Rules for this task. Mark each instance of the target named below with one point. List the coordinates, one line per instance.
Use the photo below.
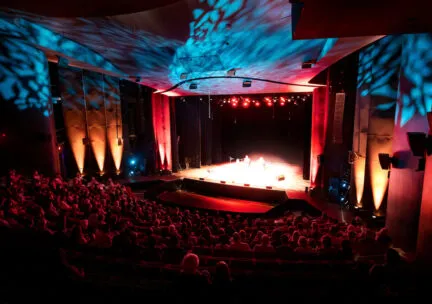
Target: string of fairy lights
(255, 101)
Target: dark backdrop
(277, 132)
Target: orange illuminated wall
(162, 131)
(360, 138)
(318, 131)
(74, 112)
(93, 89)
(113, 119)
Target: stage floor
(255, 174)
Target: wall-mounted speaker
(417, 143)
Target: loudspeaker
(417, 143)
(386, 161)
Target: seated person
(265, 245)
(237, 244)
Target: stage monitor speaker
(417, 143)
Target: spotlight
(224, 101)
(234, 104)
(245, 104)
(267, 99)
(193, 86)
(132, 162)
(247, 83)
(257, 104)
(269, 103)
(231, 72)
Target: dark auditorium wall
(27, 131)
(138, 125)
(188, 128)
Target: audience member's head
(190, 263)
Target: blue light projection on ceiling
(253, 37)
(45, 38)
(24, 77)
(403, 60)
(416, 95)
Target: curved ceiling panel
(206, 38)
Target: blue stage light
(132, 162)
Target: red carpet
(192, 200)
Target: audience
(108, 216)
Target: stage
(251, 173)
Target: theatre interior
(215, 149)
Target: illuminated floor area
(258, 174)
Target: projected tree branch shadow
(416, 78)
(24, 78)
(41, 36)
(380, 73)
(251, 35)
(238, 34)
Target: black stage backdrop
(276, 133)
(209, 136)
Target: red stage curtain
(162, 130)
(319, 132)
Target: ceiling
(347, 18)
(192, 39)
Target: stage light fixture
(247, 83)
(193, 86)
(245, 105)
(269, 103)
(257, 104)
(231, 72)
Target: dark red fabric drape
(162, 131)
(319, 131)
